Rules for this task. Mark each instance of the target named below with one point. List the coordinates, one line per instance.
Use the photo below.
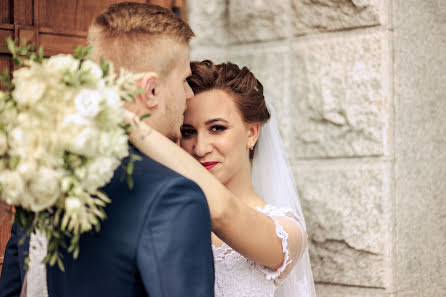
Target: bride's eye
(187, 132)
(217, 128)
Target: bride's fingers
(130, 117)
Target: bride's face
(215, 134)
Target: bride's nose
(202, 145)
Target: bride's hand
(139, 130)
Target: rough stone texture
(427, 292)
(339, 97)
(208, 21)
(420, 149)
(346, 211)
(329, 15)
(216, 55)
(258, 20)
(323, 290)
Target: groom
(156, 238)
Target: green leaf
(13, 162)
(40, 55)
(76, 253)
(146, 115)
(138, 91)
(16, 60)
(11, 45)
(81, 52)
(53, 259)
(105, 66)
(60, 264)
(130, 182)
(130, 168)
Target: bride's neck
(241, 186)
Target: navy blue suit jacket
(155, 242)
(13, 271)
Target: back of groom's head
(139, 37)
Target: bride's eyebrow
(216, 120)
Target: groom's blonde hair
(138, 36)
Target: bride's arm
(243, 228)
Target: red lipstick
(209, 165)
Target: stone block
(347, 216)
(258, 20)
(208, 21)
(433, 291)
(326, 290)
(420, 148)
(339, 97)
(330, 15)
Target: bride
(259, 240)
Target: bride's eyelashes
(187, 132)
(217, 128)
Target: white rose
(44, 187)
(87, 103)
(114, 143)
(18, 139)
(8, 116)
(3, 143)
(99, 172)
(113, 99)
(85, 143)
(61, 62)
(28, 92)
(93, 70)
(27, 169)
(113, 109)
(13, 187)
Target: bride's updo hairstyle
(240, 84)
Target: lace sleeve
(291, 231)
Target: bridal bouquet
(62, 136)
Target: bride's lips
(209, 165)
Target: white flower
(13, 187)
(93, 70)
(114, 143)
(99, 172)
(27, 169)
(18, 139)
(3, 143)
(44, 187)
(87, 103)
(85, 143)
(61, 63)
(28, 92)
(8, 116)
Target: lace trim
(221, 251)
(272, 211)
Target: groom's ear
(149, 83)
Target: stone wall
(359, 89)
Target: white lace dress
(237, 276)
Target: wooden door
(58, 26)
